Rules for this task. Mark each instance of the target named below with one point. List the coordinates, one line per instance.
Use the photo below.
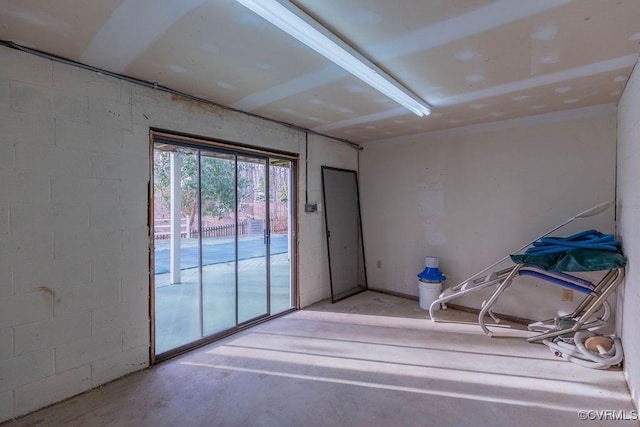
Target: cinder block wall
(628, 225)
(74, 171)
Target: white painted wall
(74, 170)
(471, 198)
(628, 226)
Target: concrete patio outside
(177, 306)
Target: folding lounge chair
(592, 313)
(587, 251)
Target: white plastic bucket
(429, 292)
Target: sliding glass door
(217, 239)
(222, 242)
(280, 236)
(177, 251)
(253, 244)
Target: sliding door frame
(200, 143)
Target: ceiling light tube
(290, 19)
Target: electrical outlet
(379, 264)
(567, 295)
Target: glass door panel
(280, 244)
(222, 242)
(217, 231)
(252, 238)
(176, 248)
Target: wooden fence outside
(162, 228)
(278, 225)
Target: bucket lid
(431, 274)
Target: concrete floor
(371, 360)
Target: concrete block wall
(628, 226)
(64, 251)
(471, 196)
(74, 173)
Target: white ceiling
(474, 61)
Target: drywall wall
(471, 198)
(74, 172)
(628, 226)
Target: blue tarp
(588, 250)
(220, 252)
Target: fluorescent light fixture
(290, 19)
